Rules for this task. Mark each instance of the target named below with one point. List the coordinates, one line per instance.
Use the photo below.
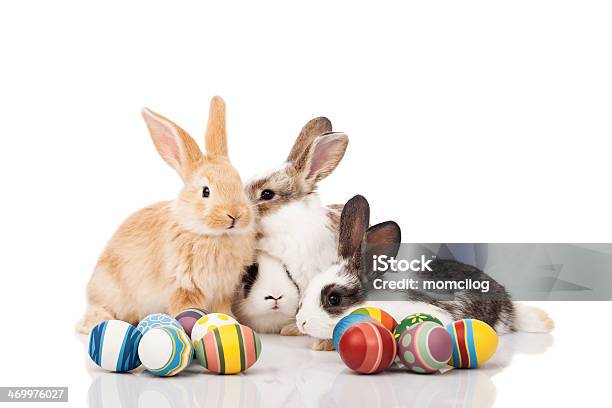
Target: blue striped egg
(165, 350)
(346, 322)
(113, 345)
(157, 320)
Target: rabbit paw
(93, 315)
(323, 345)
(290, 330)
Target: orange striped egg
(228, 349)
(367, 348)
(474, 342)
(379, 315)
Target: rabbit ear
(216, 136)
(315, 127)
(322, 157)
(174, 145)
(382, 239)
(354, 223)
(386, 233)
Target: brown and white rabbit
(295, 231)
(344, 286)
(293, 225)
(189, 252)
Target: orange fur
(189, 252)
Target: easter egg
(157, 320)
(187, 318)
(367, 348)
(113, 345)
(379, 315)
(165, 350)
(229, 349)
(474, 342)
(208, 323)
(425, 348)
(346, 322)
(413, 320)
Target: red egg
(367, 348)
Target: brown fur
(323, 345)
(334, 212)
(314, 128)
(189, 252)
(286, 185)
(314, 155)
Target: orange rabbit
(190, 252)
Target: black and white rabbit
(268, 297)
(295, 230)
(344, 286)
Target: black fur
(492, 307)
(249, 278)
(349, 296)
(293, 281)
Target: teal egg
(346, 322)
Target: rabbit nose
(275, 298)
(233, 220)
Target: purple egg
(187, 318)
(425, 348)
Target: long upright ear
(322, 157)
(315, 127)
(216, 136)
(174, 145)
(354, 222)
(381, 239)
(384, 238)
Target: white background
(471, 121)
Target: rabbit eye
(205, 192)
(267, 195)
(333, 299)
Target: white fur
(311, 319)
(300, 234)
(532, 319)
(260, 313)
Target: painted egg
(187, 318)
(367, 348)
(379, 315)
(228, 349)
(425, 348)
(113, 345)
(165, 350)
(347, 321)
(157, 320)
(413, 320)
(208, 323)
(474, 342)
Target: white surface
(566, 368)
(470, 121)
